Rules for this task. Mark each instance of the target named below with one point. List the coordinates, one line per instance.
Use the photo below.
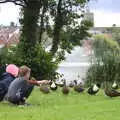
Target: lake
(75, 64)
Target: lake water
(76, 64)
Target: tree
(115, 32)
(42, 19)
(16, 2)
(67, 15)
(66, 31)
(12, 24)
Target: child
(6, 78)
(21, 87)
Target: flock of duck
(79, 87)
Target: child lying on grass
(21, 88)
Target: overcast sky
(8, 12)
(106, 12)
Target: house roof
(9, 36)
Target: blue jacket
(2, 69)
(6, 79)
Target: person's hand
(43, 82)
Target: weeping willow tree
(105, 63)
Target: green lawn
(56, 106)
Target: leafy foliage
(105, 62)
(115, 33)
(66, 31)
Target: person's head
(12, 69)
(24, 71)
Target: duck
(71, 84)
(53, 86)
(44, 89)
(114, 86)
(79, 88)
(93, 89)
(75, 82)
(112, 93)
(65, 89)
(61, 83)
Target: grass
(56, 106)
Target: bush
(3, 55)
(41, 64)
(105, 65)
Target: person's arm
(35, 82)
(43, 82)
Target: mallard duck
(114, 86)
(75, 82)
(65, 88)
(78, 87)
(44, 89)
(112, 93)
(93, 89)
(61, 83)
(71, 84)
(53, 86)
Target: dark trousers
(3, 91)
(28, 90)
(26, 93)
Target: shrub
(105, 65)
(42, 64)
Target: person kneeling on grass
(6, 78)
(21, 87)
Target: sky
(106, 13)
(9, 12)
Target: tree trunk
(57, 29)
(45, 3)
(29, 28)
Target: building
(89, 16)
(9, 36)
